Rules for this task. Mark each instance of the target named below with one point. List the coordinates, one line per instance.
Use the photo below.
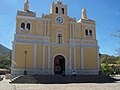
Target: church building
(54, 43)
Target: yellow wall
(20, 55)
(39, 56)
(90, 58)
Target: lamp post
(25, 71)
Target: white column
(70, 29)
(13, 54)
(98, 58)
(48, 57)
(48, 27)
(82, 58)
(35, 57)
(70, 67)
(66, 67)
(45, 28)
(74, 57)
(43, 57)
(53, 65)
(73, 30)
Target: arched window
(23, 26)
(56, 9)
(62, 10)
(86, 32)
(90, 32)
(59, 38)
(28, 26)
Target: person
(74, 74)
(1, 77)
(63, 73)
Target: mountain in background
(4, 50)
(5, 57)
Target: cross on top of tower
(26, 5)
(27, 1)
(59, 2)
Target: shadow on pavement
(59, 79)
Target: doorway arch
(59, 64)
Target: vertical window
(62, 10)
(86, 32)
(72, 30)
(90, 32)
(28, 26)
(23, 26)
(56, 9)
(46, 28)
(59, 38)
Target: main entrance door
(59, 64)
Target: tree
(118, 51)
(108, 64)
(5, 61)
(117, 35)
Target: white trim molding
(20, 71)
(26, 17)
(82, 58)
(46, 39)
(70, 58)
(35, 57)
(13, 54)
(98, 58)
(70, 29)
(46, 31)
(43, 57)
(49, 57)
(74, 58)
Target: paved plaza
(5, 85)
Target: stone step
(55, 79)
(24, 79)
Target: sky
(106, 13)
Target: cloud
(117, 13)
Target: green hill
(5, 57)
(4, 50)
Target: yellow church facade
(54, 43)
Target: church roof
(26, 13)
(87, 21)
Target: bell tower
(84, 13)
(58, 8)
(26, 5)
